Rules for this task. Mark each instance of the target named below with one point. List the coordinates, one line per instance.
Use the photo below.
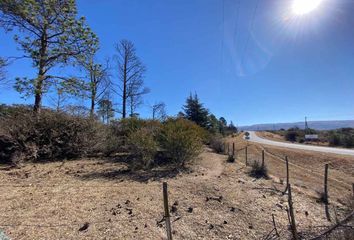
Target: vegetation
(217, 144)
(259, 170)
(131, 77)
(181, 140)
(231, 158)
(343, 137)
(51, 35)
(2, 69)
(195, 111)
(56, 135)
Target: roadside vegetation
(144, 143)
(343, 137)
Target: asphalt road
(256, 139)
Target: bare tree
(2, 68)
(131, 77)
(159, 111)
(99, 81)
(135, 93)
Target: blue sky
(248, 63)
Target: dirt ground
(100, 199)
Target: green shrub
(348, 141)
(291, 136)
(118, 132)
(334, 139)
(143, 147)
(181, 140)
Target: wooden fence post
(262, 158)
(167, 212)
(353, 188)
(275, 226)
(233, 149)
(228, 148)
(287, 174)
(292, 216)
(326, 201)
(246, 156)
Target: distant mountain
(318, 125)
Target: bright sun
(301, 7)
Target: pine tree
(51, 35)
(195, 111)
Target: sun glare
(301, 7)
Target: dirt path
(212, 162)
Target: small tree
(106, 111)
(213, 124)
(52, 35)
(195, 111)
(222, 125)
(64, 89)
(2, 69)
(131, 77)
(158, 111)
(97, 76)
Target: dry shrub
(259, 170)
(231, 159)
(217, 144)
(50, 136)
(181, 140)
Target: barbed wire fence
(339, 229)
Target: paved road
(256, 139)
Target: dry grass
(54, 200)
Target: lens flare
(301, 7)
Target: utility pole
(306, 125)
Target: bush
(143, 147)
(231, 159)
(334, 139)
(50, 136)
(118, 133)
(291, 136)
(217, 144)
(348, 141)
(181, 140)
(258, 170)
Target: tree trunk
(93, 92)
(38, 92)
(124, 112)
(41, 72)
(37, 103)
